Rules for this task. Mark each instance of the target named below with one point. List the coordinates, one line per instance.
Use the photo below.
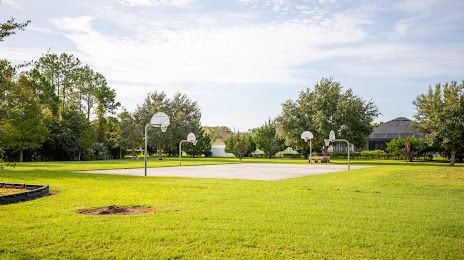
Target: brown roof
(221, 134)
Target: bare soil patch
(115, 210)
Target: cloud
(243, 54)
(80, 24)
(13, 3)
(175, 3)
(420, 9)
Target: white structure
(218, 144)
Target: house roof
(222, 134)
(400, 127)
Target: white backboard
(160, 119)
(332, 135)
(191, 137)
(307, 135)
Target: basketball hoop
(160, 120)
(191, 139)
(307, 135)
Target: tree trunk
(120, 153)
(270, 156)
(21, 154)
(80, 152)
(325, 151)
(453, 155)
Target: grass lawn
(395, 210)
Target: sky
(240, 60)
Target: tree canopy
(440, 116)
(323, 108)
(184, 115)
(266, 139)
(10, 26)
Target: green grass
(395, 210)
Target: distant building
(400, 127)
(218, 143)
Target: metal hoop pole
(310, 151)
(146, 130)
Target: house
(218, 142)
(400, 127)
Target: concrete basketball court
(247, 171)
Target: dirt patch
(115, 210)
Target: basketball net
(306, 139)
(327, 142)
(163, 128)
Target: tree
(250, 143)
(45, 93)
(8, 28)
(406, 148)
(236, 144)
(267, 140)
(105, 97)
(21, 125)
(61, 72)
(69, 138)
(4, 163)
(128, 137)
(440, 116)
(326, 108)
(184, 116)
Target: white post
(146, 130)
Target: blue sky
(240, 60)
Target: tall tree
(236, 144)
(105, 97)
(266, 139)
(61, 72)
(128, 137)
(45, 93)
(7, 74)
(22, 128)
(70, 138)
(325, 108)
(184, 116)
(440, 116)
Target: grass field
(395, 210)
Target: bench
(323, 159)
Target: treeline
(58, 109)
(320, 109)
(61, 109)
